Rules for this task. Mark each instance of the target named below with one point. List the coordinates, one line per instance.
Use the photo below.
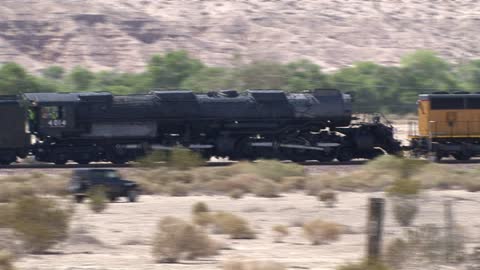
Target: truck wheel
(79, 198)
(132, 195)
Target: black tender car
(84, 180)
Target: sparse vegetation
(40, 223)
(236, 194)
(280, 232)
(404, 187)
(321, 232)
(404, 209)
(397, 253)
(328, 197)
(233, 225)
(98, 199)
(364, 265)
(176, 239)
(6, 260)
(252, 265)
(16, 186)
(266, 188)
(178, 189)
(199, 208)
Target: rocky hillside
(122, 34)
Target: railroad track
(208, 164)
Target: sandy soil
(120, 237)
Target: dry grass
(396, 253)
(40, 223)
(233, 225)
(178, 189)
(200, 207)
(252, 265)
(176, 239)
(322, 232)
(97, 199)
(6, 260)
(364, 265)
(328, 197)
(266, 188)
(404, 210)
(35, 183)
(280, 232)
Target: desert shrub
(40, 223)
(276, 170)
(177, 239)
(313, 186)
(404, 210)
(364, 265)
(280, 232)
(203, 219)
(13, 190)
(10, 243)
(236, 194)
(153, 159)
(200, 207)
(243, 182)
(183, 159)
(6, 260)
(178, 189)
(233, 225)
(404, 187)
(293, 183)
(266, 188)
(328, 197)
(321, 232)
(472, 186)
(178, 177)
(396, 253)
(5, 215)
(98, 199)
(252, 265)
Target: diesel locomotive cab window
(447, 103)
(54, 116)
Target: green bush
(404, 187)
(98, 199)
(276, 170)
(176, 239)
(40, 223)
(183, 159)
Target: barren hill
(122, 34)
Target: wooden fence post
(376, 215)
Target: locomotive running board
(295, 146)
(191, 146)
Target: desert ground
(120, 237)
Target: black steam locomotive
(89, 127)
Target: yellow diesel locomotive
(448, 125)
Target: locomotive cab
(51, 114)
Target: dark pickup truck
(83, 180)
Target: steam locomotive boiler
(86, 127)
